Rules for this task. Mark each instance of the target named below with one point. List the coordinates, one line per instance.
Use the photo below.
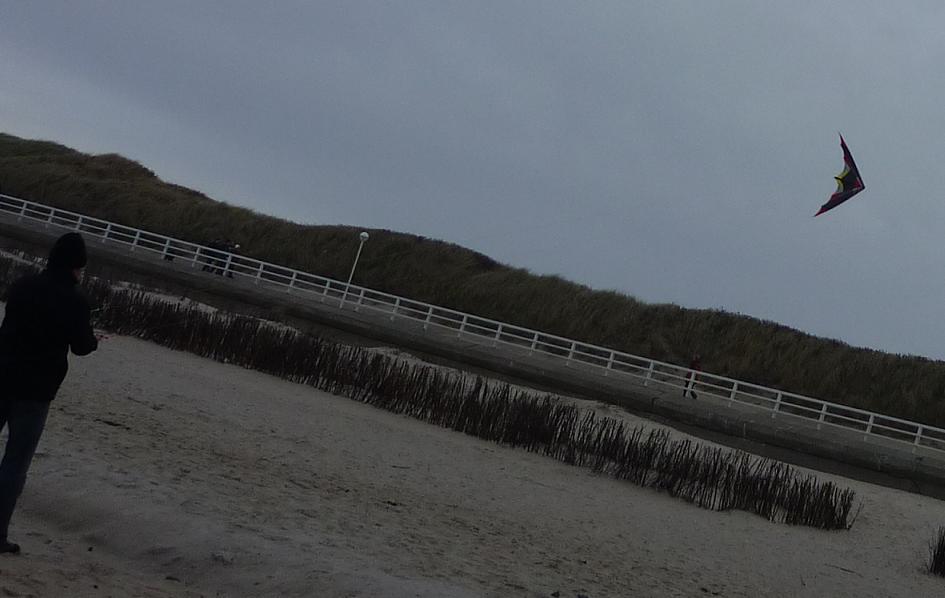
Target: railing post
(498, 333)
(360, 301)
(823, 414)
(462, 325)
(78, 223)
(134, 243)
(288, 287)
(649, 374)
(534, 343)
(731, 396)
(570, 354)
(259, 272)
(167, 247)
(396, 307)
(869, 427)
(22, 213)
(777, 405)
(426, 321)
(193, 262)
(918, 438)
(610, 364)
(108, 229)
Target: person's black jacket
(45, 317)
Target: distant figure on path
(230, 246)
(218, 262)
(696, 366)
(215, 257)
(46, 316)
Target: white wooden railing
(603, 361)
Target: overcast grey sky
(675, 151)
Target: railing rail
(490, 332)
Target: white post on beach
(364, 237)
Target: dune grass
(937, 554)
(114, 188)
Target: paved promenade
(781, 436)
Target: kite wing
(849, 182)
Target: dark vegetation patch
(117, 189)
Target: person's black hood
(67, 254)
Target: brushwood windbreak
(710, 477)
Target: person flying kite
(849, 182)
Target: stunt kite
(849, 182)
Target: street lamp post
(364, 237)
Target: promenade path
(778, 435)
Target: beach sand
(164, 474)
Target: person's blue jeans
(24, 421)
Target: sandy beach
(164, 474)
